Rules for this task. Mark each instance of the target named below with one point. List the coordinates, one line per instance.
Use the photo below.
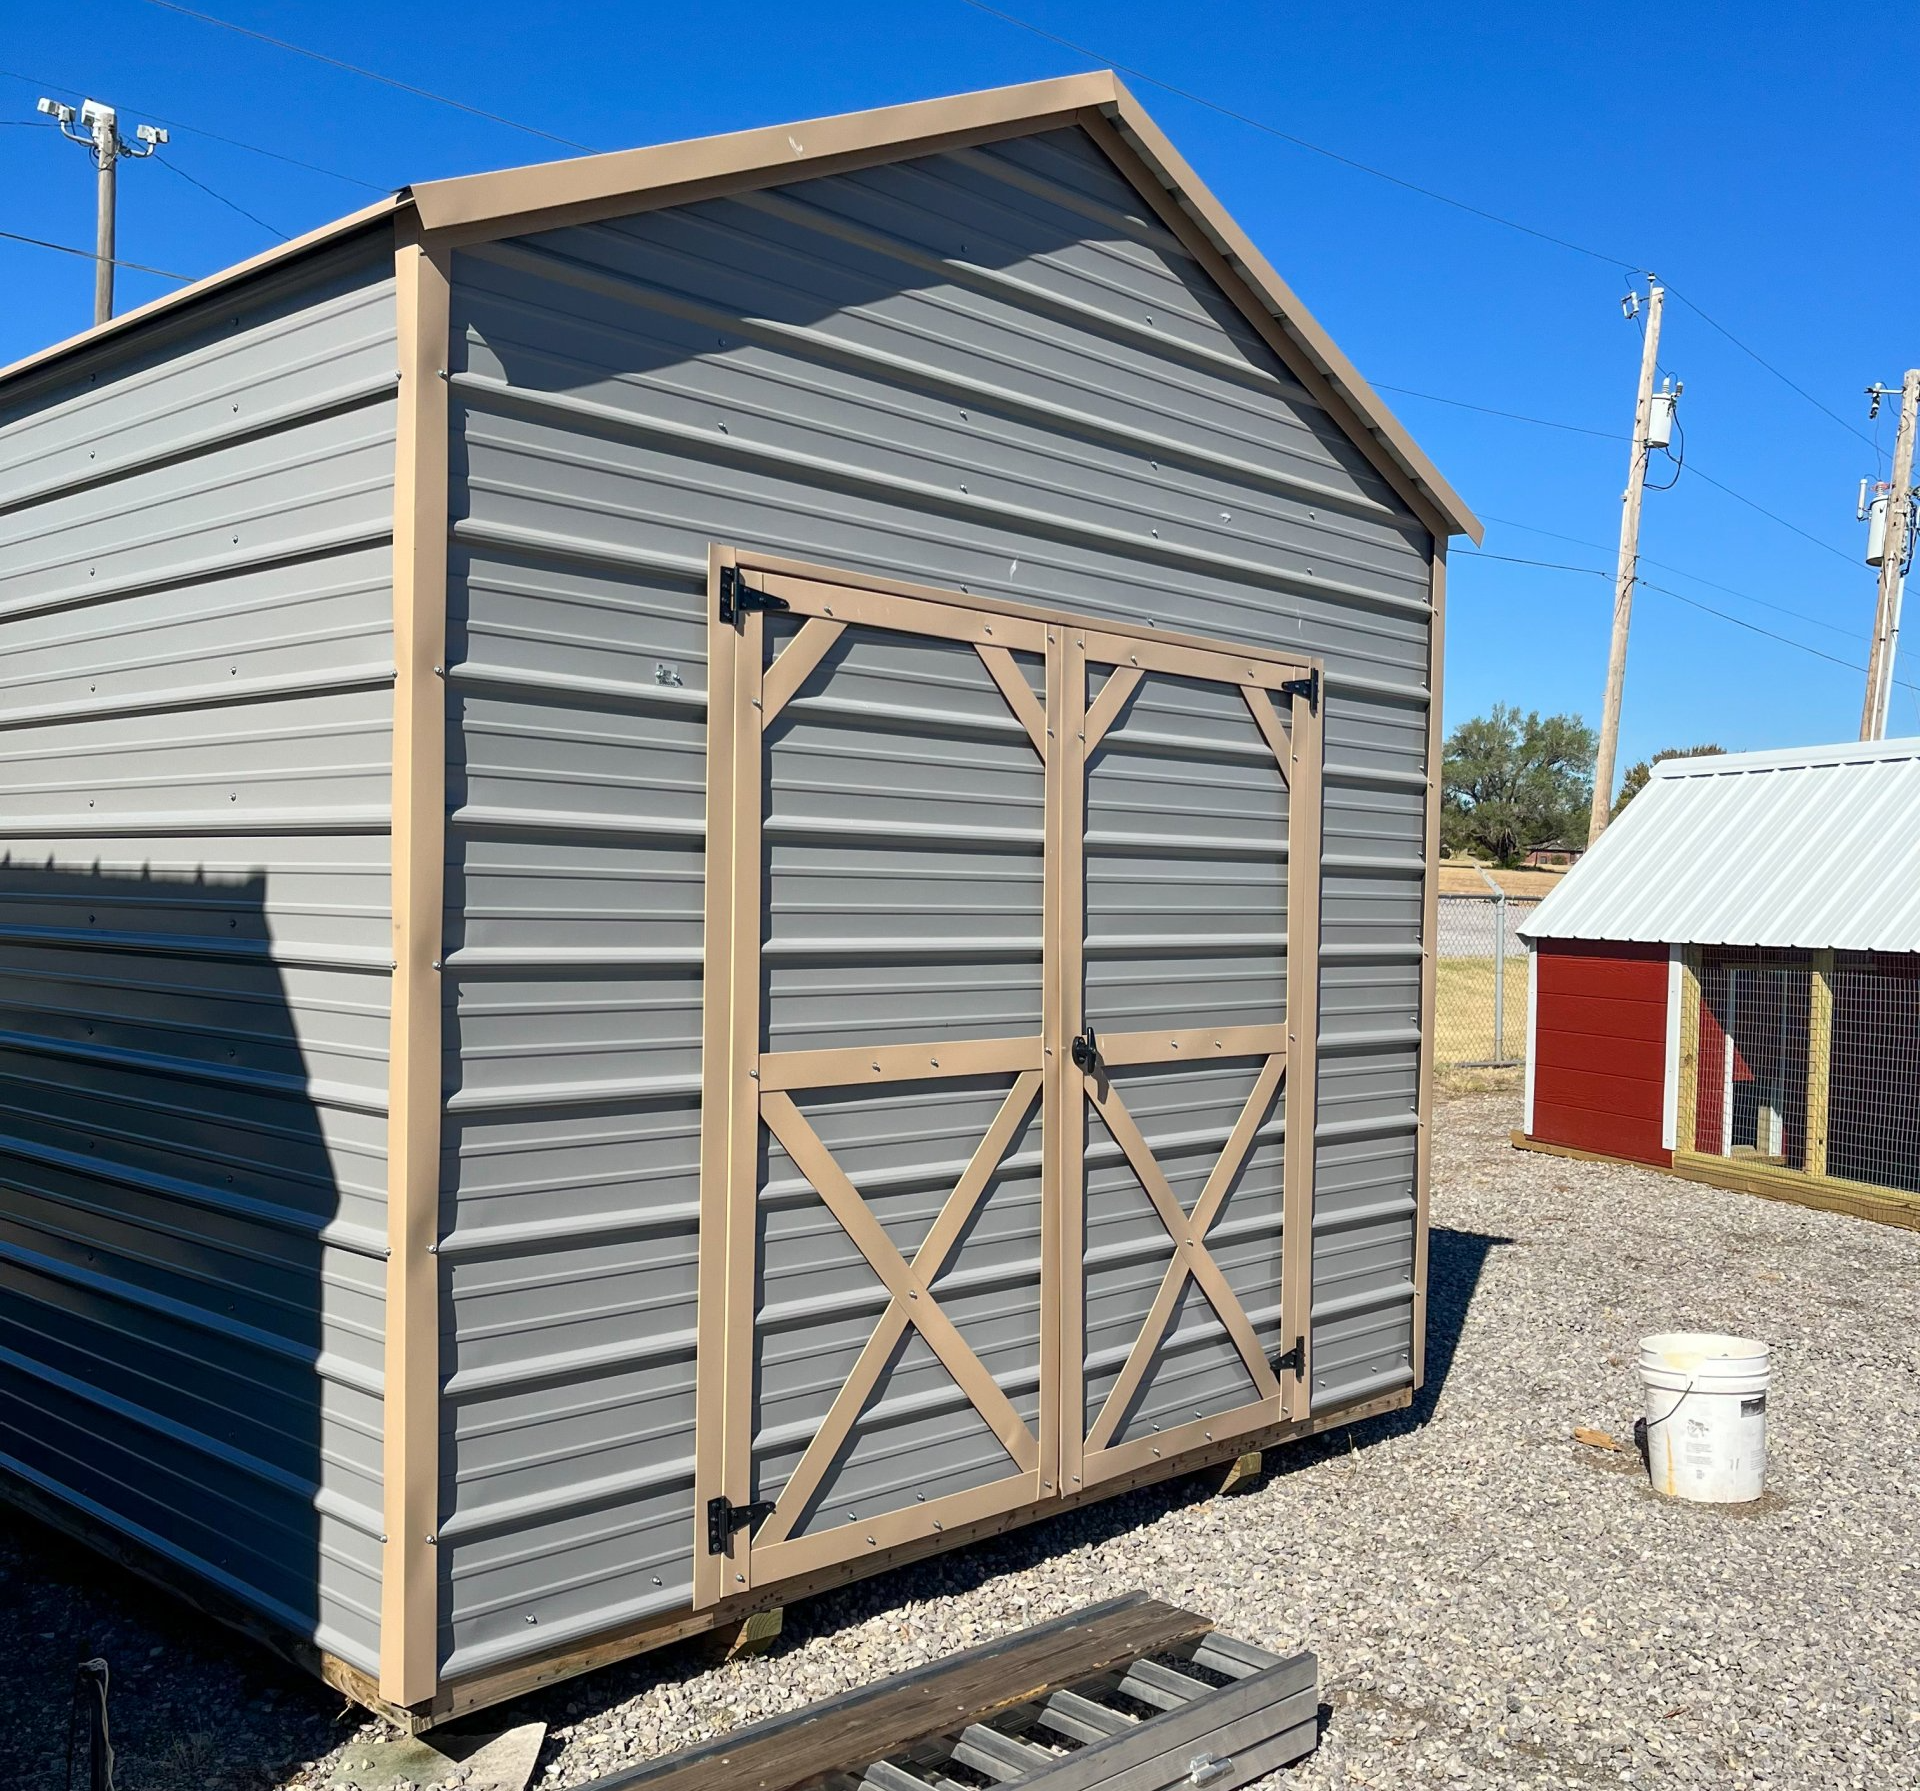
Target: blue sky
(1745, 155)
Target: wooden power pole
(1625, 573)
(1899, 530)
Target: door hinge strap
(1308, 687)
(724, 1518)
(1294, 1361)
(737, 597)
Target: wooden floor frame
(747, 1088)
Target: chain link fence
(1480, 1018)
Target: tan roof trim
(778, 152)
(546, 195)
(1167, 164)
(207, 284)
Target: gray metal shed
(718, 867)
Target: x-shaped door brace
(912, 1302)
(1188, 1232)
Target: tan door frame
(749, 1088)
(1288, 1050)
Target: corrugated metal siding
(195, 740)
(989, 369)
(1600, 1048)
(1811, 848)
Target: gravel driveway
(1492, 1603)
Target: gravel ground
(1493, 1604)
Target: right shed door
(1190, 811)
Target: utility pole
(100, 132)
(1893, 561)
(1627, 569)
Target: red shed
(1728, 984)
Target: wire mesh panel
(1873, 1111)
(1481, 980)
(1753, 1057)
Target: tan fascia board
(204, 287)
(549, 194)
(1144, 137)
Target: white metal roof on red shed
(1810, 848)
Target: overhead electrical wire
(173, 166)
(1772, 516)
(353, 68)
(40, 242)
(1514, 416)
(1426, 192)
(174, 124)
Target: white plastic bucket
(1706, 1415)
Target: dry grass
(1463, 1012)
(1465, 879)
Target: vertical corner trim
(1429, 965)
(409, 1592)
(1670, 1076)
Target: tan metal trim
(1203, 1042)
(943, 615)
(955, 1215)
(1180, 1266)
(1216, 663)
(1207, 230)
(1239, 1421)
(1308, 735)
(1686, 1105)
(853, 585)
(1105, 709)
(1267, 719)
(1819, 1060)
(1429, 961)
(409, 1588)
(713, 1331)
(548, 195)
(936, 1060)
(812, 1158)
(796, 663)
(1067, 1122)
(209, 284)
(1027, 707)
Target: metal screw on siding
(436, 963)
(531, 1619)
(433, 1540)
(433, 1249)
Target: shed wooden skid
(719, 870)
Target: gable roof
(1813, 848)
(546, 195)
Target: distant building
(1729, 984)
(1553, 855)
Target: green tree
(1515, 781)
(1636, 779)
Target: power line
(40, 242)
(1647, 559)
(1487, 410)
(280, 43)
(1410, 186)
(1754, 355)
(352, 180)
(1772, 516)
(1258, 124)
(1785, 640)
(231, 205)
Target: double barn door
(1009, 1047)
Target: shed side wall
(1600, 1048)
(989, 369)
(195, 714)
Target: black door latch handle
(1086, 1051)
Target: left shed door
(872, 1189)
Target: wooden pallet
(1130, 1695)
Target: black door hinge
(1294, 1361)
(1308, 687)
(1085, 1050)
(724, 1517)
(737, 597)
